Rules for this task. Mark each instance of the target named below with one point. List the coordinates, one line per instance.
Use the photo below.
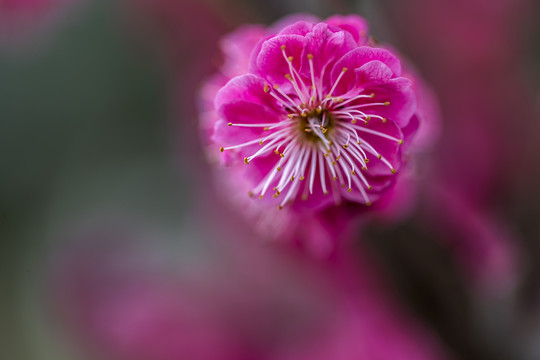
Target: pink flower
(319, 111)
(23, 19)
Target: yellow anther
(368, 118)
(384, 120)
(339, 157)
(328, 96)
(318, 110)
(260, 197)
(278, 193)
(282, 155)
(339, 100)
(280, 207)
(292, 178)
(288, 77)
(372, 95)
(345, 146)
(278, 168)
(369, 187)
(335, 177)
(364, 168)
(276, 86)
(386, 103)
(393, 171)
(330, 144)
(266, 128)
(324, 130)
(353, 121)
(290, 58)
(326, 154)
(349, 189)
(282, 47)
(276, 152)
(303, 114)
(302, 178)
(344, 69)
(266, 88)
(400, 142)
(222, 149)
(260, 142)
(359, 142)
(353, 173)
(290, 116)
(379, 156)
(366, 161)
(334, 163)
(229, 124)
(246, 160)
(310, 56)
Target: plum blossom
(320, 115)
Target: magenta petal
(249, 88)
(270, 61)
(358, 57)
(353, 24)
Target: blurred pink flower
(125, 302)
(23, 19)
(472, 52)
(319, 111)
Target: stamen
(343, 71)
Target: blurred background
(115, 244)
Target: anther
(369, 187)
(302, 178)
(278, 168)
(260, 197)
(229, 124)
(386, 103)
(344, 69)
(366, 161)
(266, 88)
(364, 168)
(353, 121)
(368, 203)
(353, 173)
(260, 142)
(334, 162)
(310, 56)
(379, 157)
(290, 116)
(266, 128)
(368, 118)
(282, 155)
(246, 161)
(276, 152)
(400, 142)
(325, 193)
(282, 47)
(335, 178)
(292, 178)
(372, 95)
(349, 189)
(290, 58)
(384, 120)
(393, 171)
(280, 207)
(222, 149)
(345, 146)
(288, 77)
